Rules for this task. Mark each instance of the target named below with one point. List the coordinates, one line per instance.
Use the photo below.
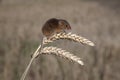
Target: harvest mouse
(53, 26)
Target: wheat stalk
(62, 53)
(30, 62)
(68, 36)
(35, 54)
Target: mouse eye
(66, 25)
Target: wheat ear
(58, 51)
(62, 53)
(69, 36)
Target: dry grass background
(20, 34)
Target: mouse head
(64, 24)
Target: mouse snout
(69, 27)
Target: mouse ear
(60, 22)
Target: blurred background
(20, 35)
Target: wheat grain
(62, 53)
(69, 36)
